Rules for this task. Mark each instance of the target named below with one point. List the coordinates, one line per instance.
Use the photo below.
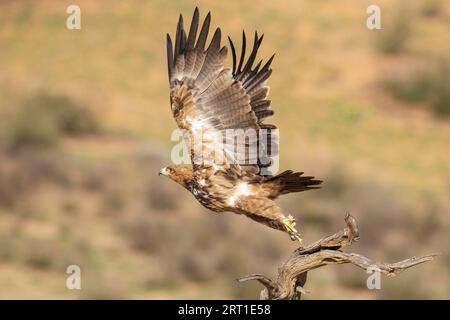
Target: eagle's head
(180, 174)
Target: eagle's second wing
(254, 82)
(207, 99)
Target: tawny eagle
(205, 96)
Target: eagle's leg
(267, 212)
(289, 225)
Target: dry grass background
(85, 127)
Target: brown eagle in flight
(207, 97)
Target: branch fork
(292, 273)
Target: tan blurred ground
(80, 186)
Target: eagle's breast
(219, 194)
(210, 195)
(206, 198)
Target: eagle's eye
(166, 171)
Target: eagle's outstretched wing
(207, 99)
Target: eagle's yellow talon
(289, 224)
(296, 237)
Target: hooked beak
(164, 172)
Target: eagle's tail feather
(289, 181)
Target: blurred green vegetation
(42, 119)
(85, 126)
(427, 86)
(398, 27)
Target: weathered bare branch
(292, 273)
(340, 239)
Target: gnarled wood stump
(292, 273)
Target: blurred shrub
(407, 286)
(12, 187)
(172, 243)
(351, 277)
(20, 172)
(101, 287)
(162, 196)
(195, 249)
(412, 87)
(395, 32)
(440, 98)
(70, 117)
(43, 118)
(424, 227)
(145, 233)
(113, 202)
(31, 128)
(430, 85)
(43, 253)
(430, 8)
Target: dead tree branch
(293, 272)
